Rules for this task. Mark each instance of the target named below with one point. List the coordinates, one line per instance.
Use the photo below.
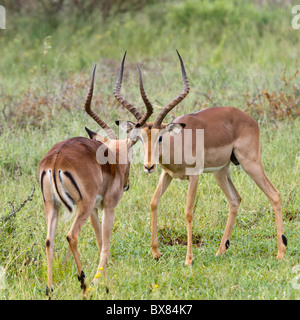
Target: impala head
(150, 133)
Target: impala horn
(173, 103)
(141, 119)
(90, 112)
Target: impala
(70, 174)
(230, 135)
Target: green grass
(249, 270)
(233, 51)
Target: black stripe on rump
(68, 195)
(54, 179)
(42, 184)
(68, 174)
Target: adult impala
(70, 174)
(230, 135)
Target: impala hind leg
(225, 183)
(107, 224)
(82, 214)
(96, 224)
(191, 196)
(51, 210)
(255, 170)
(164, 181)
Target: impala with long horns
(230, 135)
(70, 174)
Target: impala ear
(96, 136)
(91, 133)
(135, 135)
(126, 126)
(174, 128)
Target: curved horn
(148, 104)
(118, 96)
(87, 107)
(172, 104)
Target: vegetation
(236, 53)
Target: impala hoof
(81, 278)
(280, 254)
(220, 252)
(48, 292)
(188, 261)
(156, 255)
(282, 248)
(223, 248)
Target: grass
(249, 270)
(241, 54)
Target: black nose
(149, 168)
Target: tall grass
(209, 33)
(230, 49)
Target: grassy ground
(241, 55)
(249, 270)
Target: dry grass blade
(14, 211)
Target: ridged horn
(90, 112)
(186, 88)
(118, 96)
(147, 103)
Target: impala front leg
(164, 181)
(191, 196)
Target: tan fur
(226, 130)
(106, 182)
(229, 135)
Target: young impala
(230, 135)
(70, 174)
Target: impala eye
(160, 139)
